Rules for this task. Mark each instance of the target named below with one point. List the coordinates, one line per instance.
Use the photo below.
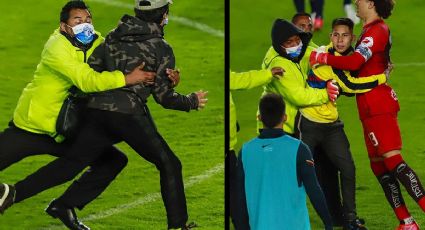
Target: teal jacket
(62, 66)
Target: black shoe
(7, 196)
(356, 224)
(189, 226)
(66, 215)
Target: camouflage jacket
(126, 47)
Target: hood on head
(132, 29)
(282, 30)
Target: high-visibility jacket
(62, 65)
(245, 80)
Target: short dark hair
(297, 15)
(74, 4)
(384, 7)
(155, 15)
(343, 22)
(272, 108)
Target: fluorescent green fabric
(61, 66)
(292, 86)
(245, 80)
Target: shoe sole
(6, 193)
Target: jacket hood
(281, 31)
(133, 29)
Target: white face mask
(83, 32)
(295, 51)
(165, 21)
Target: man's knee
(169, 162)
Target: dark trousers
(230, 183)
(100, 131)
(316, 6)
(17, 144)
(330, 138)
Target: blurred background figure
(317, 11)
(350, 12)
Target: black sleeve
(163, 91)
(307, 176)
(240, 217)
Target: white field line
(148, 198)
(181, 20)
(409, 64)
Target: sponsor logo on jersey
(373, 139)
(394, 95)
(364, 48)
(367, 42)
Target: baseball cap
(151, 4)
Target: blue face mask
(295, 51)
(84, 33)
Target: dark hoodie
(135, 41)
(282, 30)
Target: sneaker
(189, 226)
(408, 224)
(318, 23)
(351, 13)
(7, 196)
(356, 224)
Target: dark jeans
(17, 144)
(100, 131)
(330, 138)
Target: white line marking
(148, 198)
(181, 20)
(409, 64)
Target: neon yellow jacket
(61, 66)
(292, 86)
(327, 113)
(245, 80)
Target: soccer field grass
(132, 201)
(250, 26)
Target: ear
(371, 4)
(353, 38)
(62, 27)
(259, 117)
(284, 118)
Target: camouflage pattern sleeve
(163, 91)
(96, 60)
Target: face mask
(165, 21)
(84, 33)
(295, 51)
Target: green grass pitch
(197, 137)
(250, 26)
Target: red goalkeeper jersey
(371, 56)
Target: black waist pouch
(71, 113)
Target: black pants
(332, 141)
(17, 144)
(230, 183)
(101, 130)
